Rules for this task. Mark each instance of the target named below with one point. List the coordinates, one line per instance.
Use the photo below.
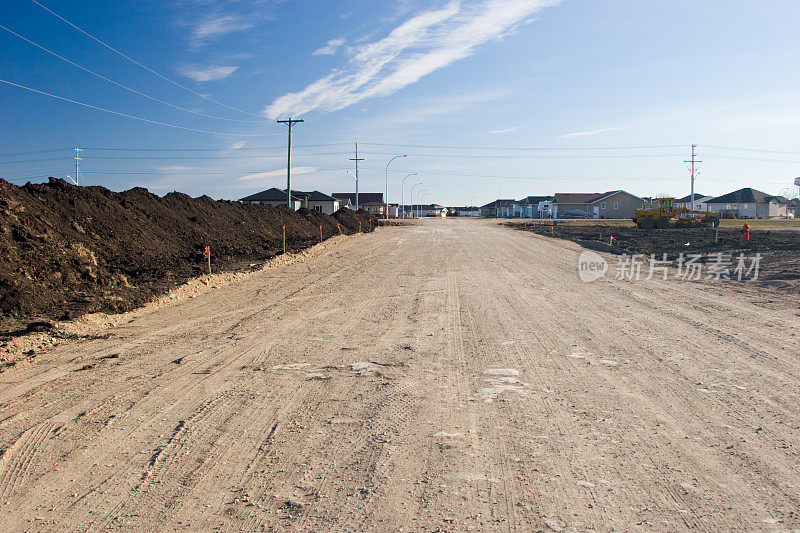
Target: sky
(486, 98)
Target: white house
(699, 202)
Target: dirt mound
(67, 250)
(350, 220)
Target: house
(749, 203)
(313, 200)
(611, 204)
(274, 197)
(317, 201)
(372, 202)
(793, 209)
(425, 210)
(500, 208)
(535, 207)
(466, 211)
(699, 202)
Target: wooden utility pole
(356, 159)
(291, 123)
(77, 160)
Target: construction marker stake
(284, 238)
(320, 233)
(207, 253)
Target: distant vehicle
(663, 214)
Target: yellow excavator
(663, 214)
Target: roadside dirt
(780, 249)
(449, 375)
(67, 250)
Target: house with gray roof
(611, 204)
(749, 203)
(313, 200)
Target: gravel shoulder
(449, 375)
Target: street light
(402, 193)
(471, 201)
(418, 196)
(412, 197)
(387, 182)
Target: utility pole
(356, 159)
(693, 161)
(77, 159)
(291, 123)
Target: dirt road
(452, 375)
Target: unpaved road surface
(451, 375)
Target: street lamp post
(402, 193)
(418, 197)
(412, 197)
(472, 200)
(387, 182)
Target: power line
(213, 157)
(122, 85)
(140, 64)
(459, 156)
(750, 149)
(212, 149)
(35, 152)
(542, 149)
(133, 116)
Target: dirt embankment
(780, 249)
(67, 250)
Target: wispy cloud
(208, 73)
(215, 25)
(427, 42)
(506, 130)
(274, 173)
(330, 48)
(237, 145)
(586, 133)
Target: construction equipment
(663, 214)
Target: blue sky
(520, 97)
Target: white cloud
(423, 44)
(237, 145)
(274, 173)
(215, 26)
(330, 48)
(208, 73)
(506, 130)
(585, 133)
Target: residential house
(274, 197)
(699, 202)
(793, 209)
(500, 208)
(535, 207)
(425, 210)
(313, 200)
(749, 203)
(466, 211)
(372, 202)
(317, 201)
(611, 204)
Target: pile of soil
(68, 250)
(780, 249)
